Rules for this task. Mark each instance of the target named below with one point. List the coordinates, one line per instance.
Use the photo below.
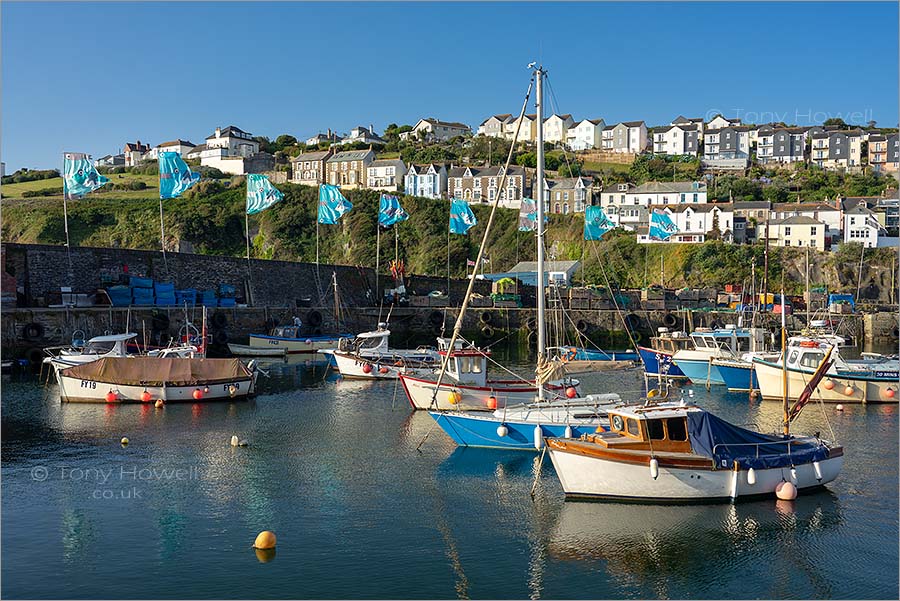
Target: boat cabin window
(676, 428)
(369, 343)
(617, 423)
(811, 360)
(633, 428)
(655, 429)
(793, 357)
(99, 348)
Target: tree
(835, 121)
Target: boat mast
(784, 374)
(539, 199)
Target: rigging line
(555, 106)
(613, 296)
(462, 310)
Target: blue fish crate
(166, 300)
(142, 297)
(164, 288)
(136, 282)
(119, 296)
(188, 296)
(207, 298)
(227, 302)
(226, 291)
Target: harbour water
(332, 468)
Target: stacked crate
(165, 294)
(227, 295)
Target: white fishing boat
(244, 350)
(147, 379)
(370, 357)
(676, 452)
(293, 341)
(873, 379)
(698, 363)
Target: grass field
(592, 166)
(15, 191)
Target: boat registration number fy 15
(89, 384)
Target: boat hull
(76, 390)
(651, 358)
(381, 367)
(700, 372)
(244, 350)
(864, 390)
(294, 346)
(738, 376)
(420, 390)
(591, 477)
(482, 430)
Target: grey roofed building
(231, 130)
(548, 266)
(680, 119)
(485, 171)
(795, 220)
(350, 155)
(505, 117)
(632, 123)
(178, 142)
(311, 156)
(674, 187)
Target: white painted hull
(583, 476)
(380, 367)
(76, 390)
(864, 391)
(244, 350)
(419, 391)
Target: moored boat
(146, 379)
(293, 341)
(657, 358)
(370, 357)
(870, 380)
(244, 350)
(677, 452)
(698, 363)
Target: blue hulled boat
(699, 361)
(657, 358)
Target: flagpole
(249, 272)
(162, 236)
(66, 220)
(378, 298)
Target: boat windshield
(99, 348)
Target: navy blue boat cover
(726, 443)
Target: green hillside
(210, 218)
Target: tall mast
(539, 199)
(786, 423)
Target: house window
(556, 208)
(812, 230)
(565, 208)
(787, 230)
(696, 199)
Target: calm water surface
(332, 468)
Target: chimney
(329, 133)
(218, 132)
(371, 128)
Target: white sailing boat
(369, 356)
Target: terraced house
(568, 195)
(677, 139)
(837, 149)
(626, 137)
(884, 153)
(482, 184)
(727, 148)
(348, 169)
(308, 168)
(385, 174)
(434, 130)
(776, 144)
(428, 181)
(495, 125)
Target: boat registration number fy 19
(274, 342)
(89, 384)
(227, 387)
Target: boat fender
(35, 356)
(751, 476)
(486, 317)
(828, 384)
(849, 390)
(487, 331)
(669, 320)
(367, 368)
(124, 442)
(112, 396)
(654, 468)
(571, 392)
(383, 370)
(889, 393)
(232, 390)
(817, 467)
(234, 440)
(492, 402)
(197, 394)
(219, 320)
(582, 326)
(436, 318)
(538, 438)
(159, 404)
(570, 356)
(502, 431)
(568, 432)
(786, 491)
(32, 331)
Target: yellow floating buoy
(839, 407)
(264, 540)
(265, 555)
(234, 440)
(125, 441)
(159, 403)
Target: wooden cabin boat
(657, 358)
(127, 379)
(676, 452)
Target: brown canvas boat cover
(153, 371)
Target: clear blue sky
(89, 77)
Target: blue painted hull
(700, 371)
(469, 431)
(651, 359)
(738, 378)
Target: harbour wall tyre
(633, 320)
(314, 319)
(582, 326)
(220, 337)
(33, 331)
(219, 320)
(637, 336)
(532, 338)
(487, 331)
(486, 317)
(35, 357)
(669, 320)
(531, 323)
(436, 318)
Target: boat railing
(756, 445)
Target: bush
(27, 175)
(42, 192)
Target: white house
(182, 147)
(794, 231)
(677, 140)
(696, 223)
(330, 138)
(364, 135)
(861, 225)
(654, 193)
(626, 137)
(556, 128)
(230, 142)
(385, 174)
(434, 130)
(718, 122)
(680, 120)
(829, 215)
(134, 152)
(585, 135)
(428, 181)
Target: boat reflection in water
(665, 547)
